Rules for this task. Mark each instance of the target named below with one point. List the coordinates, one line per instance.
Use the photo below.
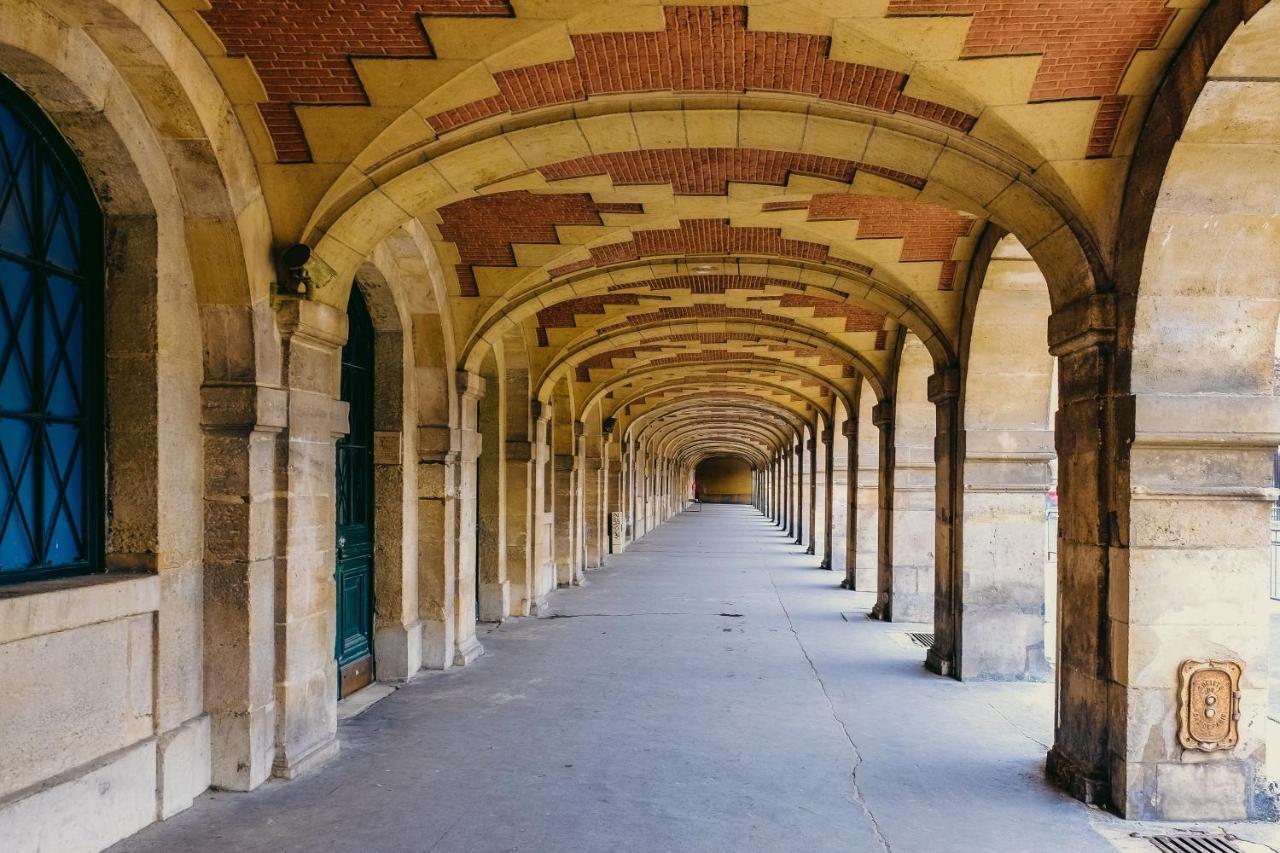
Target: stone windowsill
(45, 607)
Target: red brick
(702, 49)
(484, 228)
(302, 49)
(708, 171)
(1087, 44)
(707, 237)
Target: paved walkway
(710, 691)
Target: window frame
(55, 150)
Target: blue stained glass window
(50, 358)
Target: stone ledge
(46, 607)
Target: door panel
(354, 512)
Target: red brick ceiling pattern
(707, 237)
(705, 284)
(302, 49)
(826, 357)
(928, 231)
(484, 228)
(702, 49)
(1087, 45)
(563, 315)
(708, 171)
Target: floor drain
(1193, 844)
(925, 640)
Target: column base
(319, 755)
(397, 651)
(242, 747)
(937, 664)
(467, 652)
(1070, 777)
(183, 765)
(540, 608)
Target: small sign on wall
(1209, 707)
(386, 448)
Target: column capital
(944, 385)
(1085, 323)
(313, 320)
(849, 429)
(882, 413)
(470, 384)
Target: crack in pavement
(1015, 726)
(859, 799)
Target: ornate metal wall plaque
(1209, 704)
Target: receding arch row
(894, 301)
(962, 173)
(669, 334)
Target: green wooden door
(354, 564)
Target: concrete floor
(710, 691)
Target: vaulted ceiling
(730, 211)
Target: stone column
(831, 514)
(814, 490)
(593, 500)
(519, 508)
(491, 504)
(518, 491)
(617, 492)
(306, 684)
(948, 456)
(798, 514)
(471, 388)
(845, 554)
(867, 460)
(437, 550)
(886, 474)
(241, 424)
(566, 467)
(544, 568)
(1092, 423)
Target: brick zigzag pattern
(302, 49)
(1087, 46)
(702, 49)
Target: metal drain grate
(925, 640)
(1193, 844)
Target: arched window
(51, 287)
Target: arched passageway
(329, 357)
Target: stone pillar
(812, 492)
(566, 466)
(518, 490)
(241, 424)
(867, 482)
(471, 388)
(845, 553)
(1090, 430)
(306, 674)
(831, 514)
(948, 456)
(437, 550)
(544, 569)
(491, 504)
(819, 499)
(798, 515)
(519, 509)
(593, 496)
(886, 473)
(616, 498)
